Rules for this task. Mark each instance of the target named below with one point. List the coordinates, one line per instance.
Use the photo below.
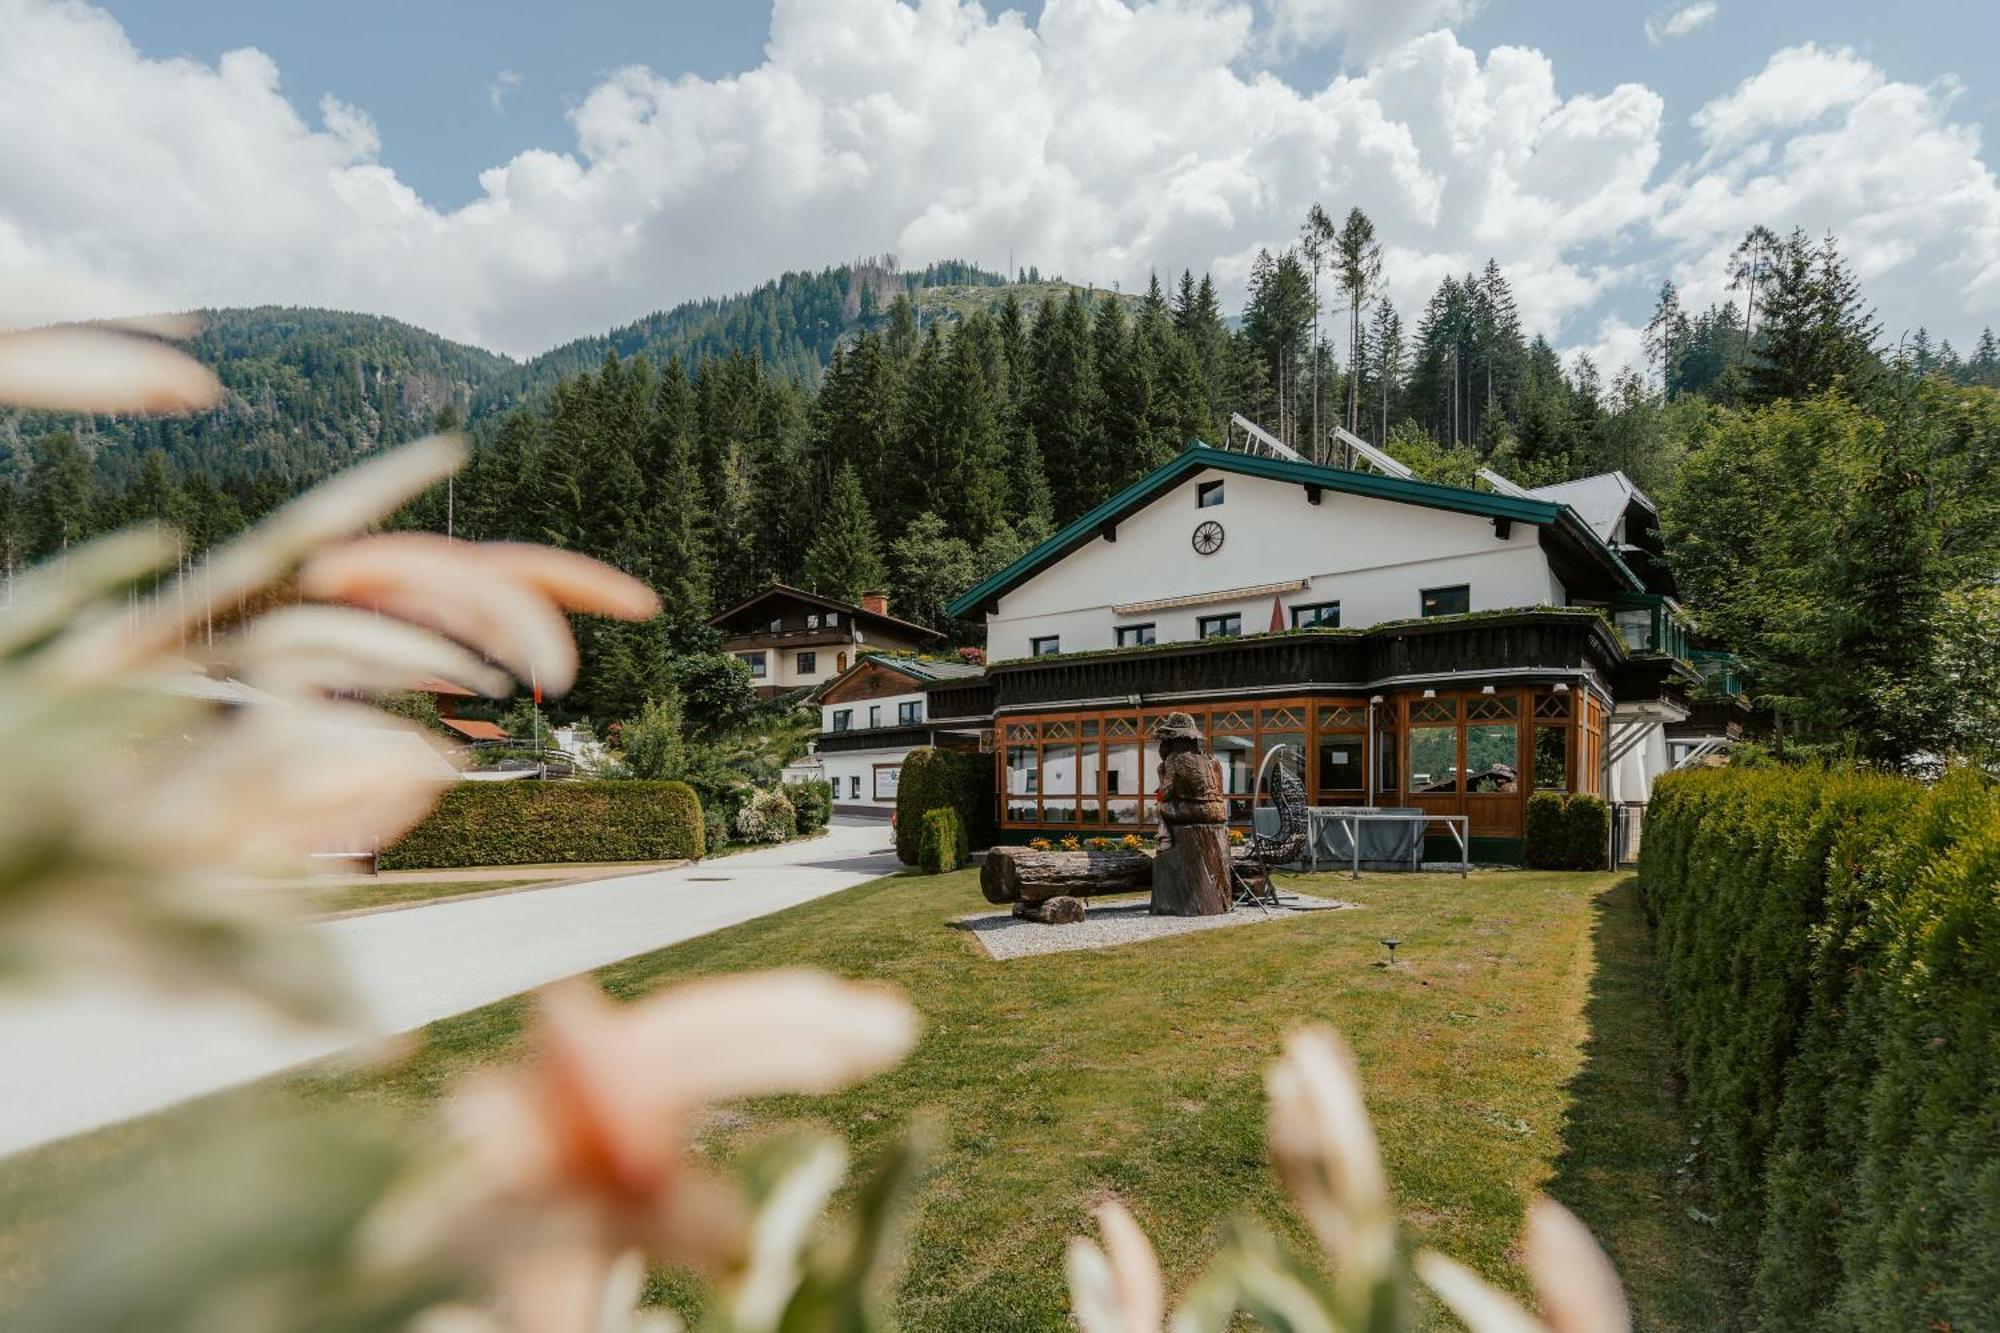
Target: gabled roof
(1600, 501)
(475, 730)
(921, 670)
(860, 614)
(1559, 522)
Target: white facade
(864, 781)
(795, 668)
(1373, 557)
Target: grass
(389, 893)
(1513, 1048)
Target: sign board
(886, 778)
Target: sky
(517, 174)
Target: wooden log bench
(1024, 875)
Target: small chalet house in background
(1419, 644)
(872, 716)
(792, 639)
(446, 694)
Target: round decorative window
(1208, 538)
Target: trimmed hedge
(1544, 836)
(942, 846)
(1830, 950)
(531, 822)
(932, 778)
(1566, 832)
(812, 802)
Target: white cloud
(1681, 22)
(1101, 142)
(1825, 141)
(1363, 29)
(503, 83)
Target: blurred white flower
(1578, 1288)
(77, 368)
(503, 599)
(1326, 1151)
(1117, 1289)
(583, 1153)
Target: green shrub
(814, 803)
(767, 817)
(933, 778)
(531, 822)
(1586, 832)
(942, 844)
(1545, 833)
(1830, 950)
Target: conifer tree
(59, 495)
(845, 559)
(1358, 260)
(1062, 403)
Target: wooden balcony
(1552, 641)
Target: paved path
(89, 1055)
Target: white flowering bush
(767, 816)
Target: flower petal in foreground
(1118, 1289)
(331, 649)
(1326, 1151)
(448, 586)
(574, 582)
(70, 368)
(1578, 1289)
(585, 1149)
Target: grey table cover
(1383, 841)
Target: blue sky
(515, 174)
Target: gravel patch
(1106, 925)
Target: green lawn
(1515, 1047)
(390, 893)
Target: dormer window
(1208, 494)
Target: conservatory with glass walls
(1418, 645)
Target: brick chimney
(875, 603)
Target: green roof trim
(1198, 457)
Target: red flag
(1277, 615)
(535, 679)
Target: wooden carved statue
(1191, 872)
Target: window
(808, 663)
(909, 713)
(1134, 636)
(854, 788)
(812, 621)
(843, 719)
(1219, 627)
(756, 661)
(832, 619)
(874, 715)
(1316, 613)
(1047, 646)
(778, 626)
(1452, 601)
(1208, 495)
(1552, 756)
